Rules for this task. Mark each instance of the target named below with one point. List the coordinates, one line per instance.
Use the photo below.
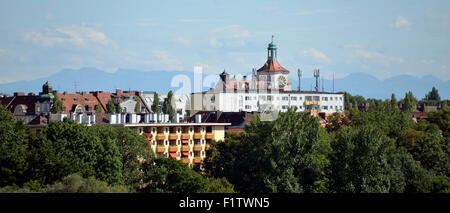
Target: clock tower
(272, 73)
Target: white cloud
(445, 67)
(371, 56)
(427, 61)
(231, 31)
(146, 24)
(316, 55)
(229, 36)
(164, 61)
(77, 36)
(313, 12)
(192, 20)
(402, 22)
(182, 41)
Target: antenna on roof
(322, 85)
(299, 73)
(316, 75)
(333, 82)
(75, 85)
(272, 38)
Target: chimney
(198, 118)
(118, 92)
(83, 93)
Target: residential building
(268, 89)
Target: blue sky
(381, 38)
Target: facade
(187, 142)
(181, 102)
(268, 89)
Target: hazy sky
(382, 38)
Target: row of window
(331, 107)
(178, 142)
(292, 98)
(285, 107)
(176, 129)
(194, 154)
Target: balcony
(185, 136)
(209, 136)
(197, 160)
(198, 148)
(312, 103)
(173, 136)
(197, 136)
(160, 149)
(173, 148)
(185, 160)
(160, 136)
(185, 148)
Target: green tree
(133, 149)
(168, 106)
(433, 95)
(289, 154)
(14, 145)
(98, 109)
(65, 147)
(360, 161)
(409, 102)
(155, 104)
(393, 100)
(110, 106)
(137, 108)
(118, 108)
(57, 105)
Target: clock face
(282, 81)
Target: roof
(235, 119)
(272, 66)
(28, 100)
(71, 100)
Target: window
(325, 107)
(316, 98)
(197, 142)
(300, 98)
(331, 107)
(284, 98)
(308, 98)
(247, 98)
(331, 98)
(104, 99)
(324, 98)
(293, 98)
(208, 129)
(340, 98)
(63, 99)
(300, 107)
(213, 99)
(262, 98)
(284, 107)
(248, 107)
(86, 99)
(269, 97)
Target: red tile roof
(71, 100)
(272, 66)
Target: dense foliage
(380, 149)
(71, 157)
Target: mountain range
(92, 79)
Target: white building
(181, 102)
(268, 89)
